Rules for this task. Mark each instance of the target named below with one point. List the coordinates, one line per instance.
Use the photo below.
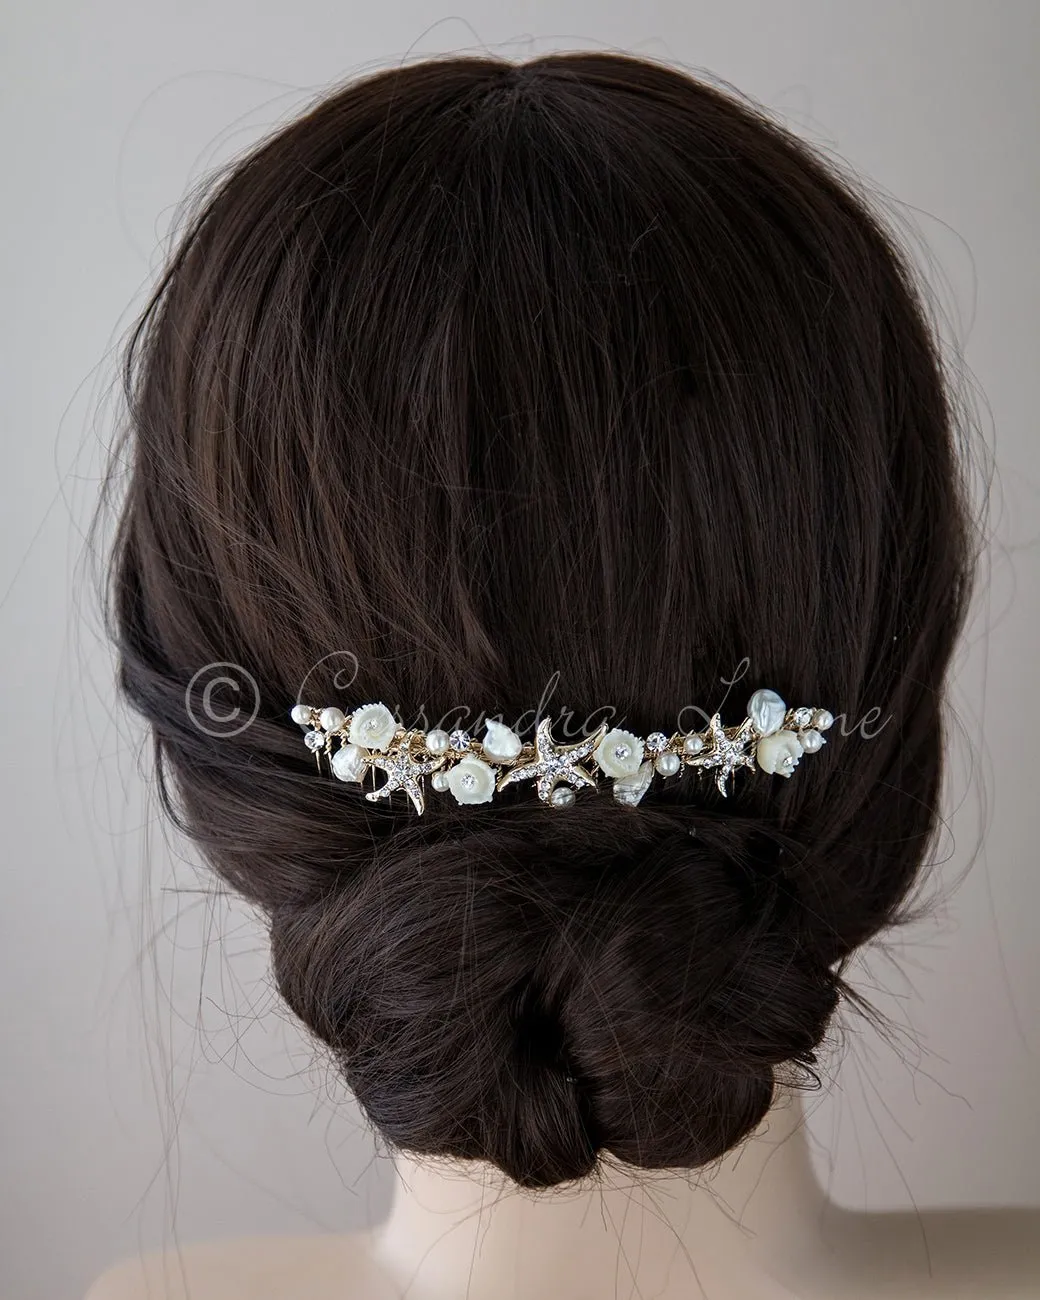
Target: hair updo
(573, 374)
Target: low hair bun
(548, 988)
(702, 982)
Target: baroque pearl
(766, 710)
(332, 718)
(500, 743)
(667, 764)
(348, 763)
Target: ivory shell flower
(500, 743)
(472, 780)
(373, 727)
(780, 753)
(619, 753)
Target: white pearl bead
(562, 797)
(332, 718)
(301, 714)
(436, 742)
(693, 744)
(439, 781)
(667, 764)
(823, 719)
(811, 741)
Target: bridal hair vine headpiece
(370, 738)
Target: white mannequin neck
(464, 1230)
(755, 1227)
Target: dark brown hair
(575, 371)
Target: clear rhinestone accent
(656, 742)
(459, 740)
(314, 740)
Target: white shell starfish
(555, 763)
(403, 771)
(726, 753)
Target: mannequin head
(578, 377)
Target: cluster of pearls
(772, 736)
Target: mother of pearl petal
(766, 710)
(779, 754)
(629, 790)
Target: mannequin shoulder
(253, 1268)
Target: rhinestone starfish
(555, 763)
(726, 753)
(403, 771)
